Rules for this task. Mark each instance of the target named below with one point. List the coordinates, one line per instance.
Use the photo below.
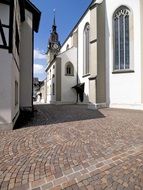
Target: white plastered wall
(50, 80)
(68, 93)
(15, 64)
(26, 63)
(14, 78)
(5, 89)
(82, 79)
(68, 42)
(124, 89)
(9, 72)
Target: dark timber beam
(11, 26)
(2, 35)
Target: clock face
(55, 46)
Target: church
(100, 62)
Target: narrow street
(70, 147)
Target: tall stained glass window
(121, 38)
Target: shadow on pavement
(45, 114)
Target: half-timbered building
(18, 21)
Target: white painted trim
(127, 106)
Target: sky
(68, 12)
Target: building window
(121, 24)
(86, 49)
(53, 66)
(17, 41)
(53, 89)
(50, 73)
(69, 69)
(67, 47)
(16, 93)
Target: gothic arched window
(53, 89)
(121, 24)
(86, 49)
(69, 69)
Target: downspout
(77, 67)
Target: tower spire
(54, 44)
(54, 22)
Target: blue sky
(68, 13)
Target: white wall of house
(9, 71)
(4, 13)
(67, 82)
(44, 92)
(26, 63)
(141, 20)
(86, 19)
(15, 78)
(15, 65)
(68, 42)
(5, 73)
(5, 89)
(51, 78)
(9, 74)
(124, 90)
(68, 95)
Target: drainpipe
(77, 66)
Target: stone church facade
(100, 63)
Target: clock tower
(53, 44)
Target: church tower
(53, 44)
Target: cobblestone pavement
(72, 148)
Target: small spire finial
(54, 23)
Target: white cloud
(38, 54)
(39, 69)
